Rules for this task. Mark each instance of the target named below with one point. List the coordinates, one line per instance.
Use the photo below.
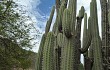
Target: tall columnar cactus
(47, 62)
(70, 53)
(61, 48)
(60, 15)
(95, 38)
(60, 39)
(105, 10)
(105, 24)
(49, 21)
(69, 61)
(40, 53)
(41, 48)
(86, 35)
(66, 23)
(72, 6)
(78, 32)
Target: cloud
(39, 20)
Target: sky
(39, 11)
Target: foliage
(14, 36)
(13, 23)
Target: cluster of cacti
(61, 48)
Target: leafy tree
(14, 36)
(12, 23)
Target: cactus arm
(86, 35)
(81, 12)
(79, 20)
(66, 23)
(60, 39)
(40, 53)
(96, 38)
(60, 16)
(47, 62)
(50, 20)
(73, 6)
(78, 33)
(69, 56)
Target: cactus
(60, 15)
(50, 20)
(80, 67)
(56, 55)
(105, 10)
(78, 34)
(60, 39)
(40, 53)
(81, 12)
(55, 27)
(72, 6)
(96, 39)
(69, 61)
(61, 49)
(66, 23)
(47, 62)
(86, 35)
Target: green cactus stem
(79, 20)
(97, 54)
(60, 39)
(105, 24)
(50, 20)
(60, 16)
(80, 67)
(96, 38)
(65, 2)
(81, 12)
(72, 7)
(48, 62)
(105, 12)
(69, 56)
(78, 33)
(55, 27)
(56, 61)
(57, 55)
(40, 53)
(86, 35)
(66, 23)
